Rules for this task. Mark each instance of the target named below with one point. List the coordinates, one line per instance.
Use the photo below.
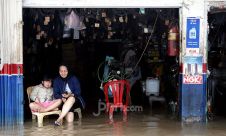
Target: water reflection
(118, 128)
(12, 130)
(137, 124)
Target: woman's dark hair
(62, 64)
(46, 78)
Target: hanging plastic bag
(72, 20)
(73, 23)
(81, 24)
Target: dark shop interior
(216, 61)
(137, 44)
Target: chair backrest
(118, 88)
(29, 90)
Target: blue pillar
(192, 92)
(11, 98)
(192, 101)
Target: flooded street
(138, 124)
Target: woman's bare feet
(58, 122)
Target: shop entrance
(137, 44)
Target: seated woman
(42, 95)
(67, 88)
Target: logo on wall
(192, 70)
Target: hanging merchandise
(173, 41)
(142, 11)
(73, 21)
(163, 46)
(104, 14)
(76, 34)
(81, 23)
(67, 32)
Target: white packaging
(152, 86)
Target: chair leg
(130, 101)
(111, 110)
(107, 108)
(40, 120)
(78, 110)
(33, 116)
(125, 113)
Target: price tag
(87, 19)
(47, 19)
(126, 19)
(121, 19)
(110, 33)
(38, 28)
(38, 37)
(104, 14)
(97, 25)
(167, 22)
(65, 22)
(145, 30)
(42, 33)
(114, 20)
(46, 22)
(134, 16)
(46, 45)
(106, 20)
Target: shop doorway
(143, 44)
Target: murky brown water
(138, 124)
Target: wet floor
(146, 124)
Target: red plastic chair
(118, 88)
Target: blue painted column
(193, 101)
(193, 80)
(11, 95)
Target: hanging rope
(145, 46)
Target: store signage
(192, 51)
(190, 79)
(192, 70)
(192, 32)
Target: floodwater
(138, 123)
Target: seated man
(42, 95)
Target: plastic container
(143, 86)
(152, 86)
